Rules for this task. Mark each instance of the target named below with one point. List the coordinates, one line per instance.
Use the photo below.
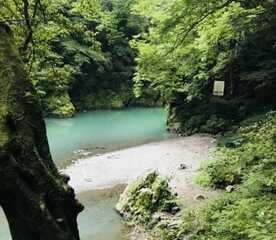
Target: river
(93, 133)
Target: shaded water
(96, 132)
(99, 220)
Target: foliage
(59, 106)
(191, 44)
(111, 80)
(77, 49)
(244, 158)
(45, 35)
(232, 217)
(33, 192)
(249, 152)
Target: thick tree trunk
(36, 199)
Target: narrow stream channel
(94, 133)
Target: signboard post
(219, 88)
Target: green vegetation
(77, 53)
(148, 195)
(94, 54)
(192, 44)
(84, 55)
(245, 153)
(245, 160)
(40, 194)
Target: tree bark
(37, 201)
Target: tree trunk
(37, 201)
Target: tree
(38, 202)
(192, 44)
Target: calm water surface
(92, 133)
(104, 131)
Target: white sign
(219, 88)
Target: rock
(176, 126)
(230, 188)
(182, 166)
(60, 220)
(199, 197)
(146, 198)
(175, 224)
(156, 218)
(88, 179)
(138, 234)
(175, 210)
(100, 147)
(85, 154)
(78, 151)
(65, 177)
(146, 190)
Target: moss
(102, 100)
(117, 102)
(146, 196)
(58, 105)
(209, 114)
(26, 167)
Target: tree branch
(182, 36)
(29, 37)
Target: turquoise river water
(92, 133)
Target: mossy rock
(144, 197)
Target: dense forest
(87, 55)
(192, 44)
(77, 53)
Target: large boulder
(145, 197)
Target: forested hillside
(84, 55)
(77, 53)
(192, 44)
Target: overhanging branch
(182, 36)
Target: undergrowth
(245, 159)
